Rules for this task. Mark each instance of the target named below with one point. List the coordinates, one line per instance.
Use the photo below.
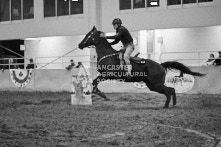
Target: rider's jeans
(128, 52)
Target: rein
(104, 57)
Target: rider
(123, 35)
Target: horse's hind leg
(167, 91)
(174, 95)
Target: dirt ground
(44, 119)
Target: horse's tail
(179, 66)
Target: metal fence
(54, 62)
(195, 58)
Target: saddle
(134, 59)
(137, 60)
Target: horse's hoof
(166, 107)
(106, 99)
(102, 95)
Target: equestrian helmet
(117, 21)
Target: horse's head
(89, 39)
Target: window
(49, 8)
(126, 4)
(15, 9)
(20, 9)
(28, 9)
(200, 1)
(189, 1)
(173, 2)
(76, 6)
(139, 4)
(63, 7)
(54, 8)
(179, 2)
(4, 10)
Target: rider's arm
(117, 36)
(113, 37)
(115, 42)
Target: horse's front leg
(96, 90)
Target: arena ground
(46, 119)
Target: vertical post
(62, 64)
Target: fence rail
(194, 58)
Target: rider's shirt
(123, 35)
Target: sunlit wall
(51, 49)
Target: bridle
(89, 36)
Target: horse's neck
(104, 49)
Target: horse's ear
(94, 28)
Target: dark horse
(146, 70)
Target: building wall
(57, 51)
(44, 27)
(201, 40)
(101, 13)
(162, 17)
(191, 39)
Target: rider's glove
(103, 35)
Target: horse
(145, 70)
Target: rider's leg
(128, 52)
(121, 60)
